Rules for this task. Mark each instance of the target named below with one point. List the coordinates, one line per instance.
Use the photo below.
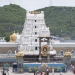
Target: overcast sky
(36, 4)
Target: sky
(31, 5)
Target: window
(35, 26)
(61, 52)
(72, 52)
(35, 20)
(9, 52)
(35, 32)
(35, 40)
(35, 48)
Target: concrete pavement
(11, 73)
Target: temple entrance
(29, 59)
(34, 59)
(44, 51)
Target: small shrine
(19, 59)
(67, 57)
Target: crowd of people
(70, 68)
(47, 72)
(4, 72)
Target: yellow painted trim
(45, 52)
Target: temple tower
(34, 23)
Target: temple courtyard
(10, 73)
(26, 73)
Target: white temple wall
(32, 26)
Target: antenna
(51, 4)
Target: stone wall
(2, 64)
(58, 49)
(5, 50)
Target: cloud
(36, 4)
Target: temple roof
(14, 34)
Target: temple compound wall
(6, 47)
(5, 50)
(59, 47)
(64, 47)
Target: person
(65, 69)
(8, 72)
(71, 68)
(53, 71)
(37, 72)
(47, 71)
(74, 71)
(61, 72)
(41, 72)
(34, 73)
(4, 73)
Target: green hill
(12, 17)
(60, 20)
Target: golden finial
(34, 12)
(14, 31)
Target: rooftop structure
(13, 37)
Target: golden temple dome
(13, 37)
(14, 34)
(19, 54)
(34, 12)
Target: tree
(7, 38)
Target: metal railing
(43, 60)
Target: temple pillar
(19, 60)
(48, 58)
(40, 49)
(44, 50)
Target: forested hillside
(60, 20)
(12, 17)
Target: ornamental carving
(45, 49)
